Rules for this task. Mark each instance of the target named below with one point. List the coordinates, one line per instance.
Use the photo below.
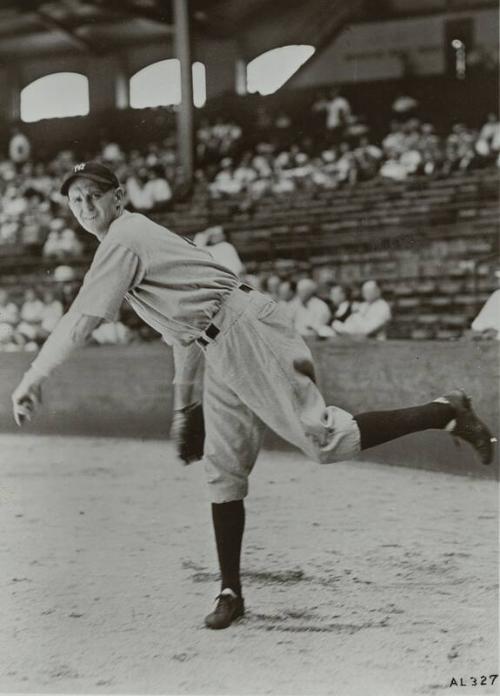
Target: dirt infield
(361, 579)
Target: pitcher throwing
(258, 371)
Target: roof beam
(53, 23)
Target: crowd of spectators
(339, 152)
(25, 324)
(319, 308)
(347, 154)
(328, 309)
(26, 321)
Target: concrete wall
(126, 391)
(369, 51)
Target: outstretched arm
(72, 331)
(114, 271)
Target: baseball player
(258, 371)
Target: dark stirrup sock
(377, 427)
(229, 523)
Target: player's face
(94, 208)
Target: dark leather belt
(212, 331)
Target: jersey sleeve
(115, 270)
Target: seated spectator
(14, 203)
(392, 167)
(112, 333)
(287, 291)
(9, 230)
(9, 319)
(346, 167)
(411, 160)
(488, 143)
(325, 279)
(157, 191)
(321, 176)
(460, 149)
(225, 182)
(223, 252)
(8, 341)
(271, 287)
(52, 246)
(394, 143)
(69, 244)
(491, 129)
(430, 149)
(135, 187)
(287, 296)
(280, 183)
(311, 314)
(262, 162)
(412, 134)
(428, 139)
(31, 316)
(259, 187)
(340, 297)
(9, 313)
(487, 322)
(31, 233)
(51, 313)
(301, 167)
(371, 317)
(367, 158)
(245, 172)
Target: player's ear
(119, 195)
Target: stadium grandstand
(342, 157)
(314, 147)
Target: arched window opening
(55, 96)
(269, 71)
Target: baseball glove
(188, 432)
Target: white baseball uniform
(258, 369)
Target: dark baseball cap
(90, 170)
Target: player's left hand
(26, 398)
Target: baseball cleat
(229, 608)
(467, 426)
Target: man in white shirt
(31, 315)
(337, 110)
(487, 322)
(311, 313)
(157, 189)
(222, 251)
(371, 317)
(9, 318)
(51, 313)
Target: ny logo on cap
(79, 167)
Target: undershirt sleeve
(115, 270)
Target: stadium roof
(40, 27)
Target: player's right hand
(26, 398)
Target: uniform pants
(259, 372)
